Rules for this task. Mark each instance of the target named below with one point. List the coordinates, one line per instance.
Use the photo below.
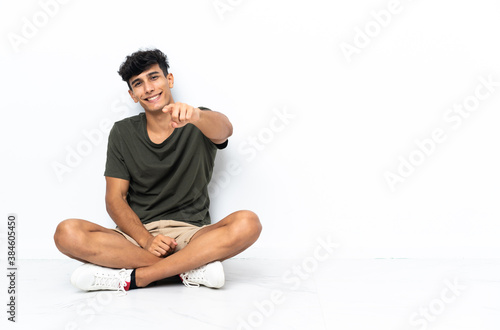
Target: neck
(158, 125)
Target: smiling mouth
(153, 98)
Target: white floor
(376, 294)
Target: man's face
(151, 88)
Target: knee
(66, 233)
(249, 224)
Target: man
(158, 166)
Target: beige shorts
(182, 232)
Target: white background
(316, 130)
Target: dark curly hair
(140, 61)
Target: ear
(133, 96)
(170, 79)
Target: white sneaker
(90, 277)
(211, 275)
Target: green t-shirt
(167, 181)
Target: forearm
(125, 218)
(214, 125)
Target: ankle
(140, 281)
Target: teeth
(154, 98)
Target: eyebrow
(139, 79)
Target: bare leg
(219, 241)
(88, 242)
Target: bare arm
(214, 125)
(121, 213)
(125, 218)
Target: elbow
(229, 129)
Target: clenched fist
(160, 245)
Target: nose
(149, 87)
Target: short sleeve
(223, 145)
(115, 163)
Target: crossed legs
(88, 242)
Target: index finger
(168, 108)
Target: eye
(137, 84)
(154, 77)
